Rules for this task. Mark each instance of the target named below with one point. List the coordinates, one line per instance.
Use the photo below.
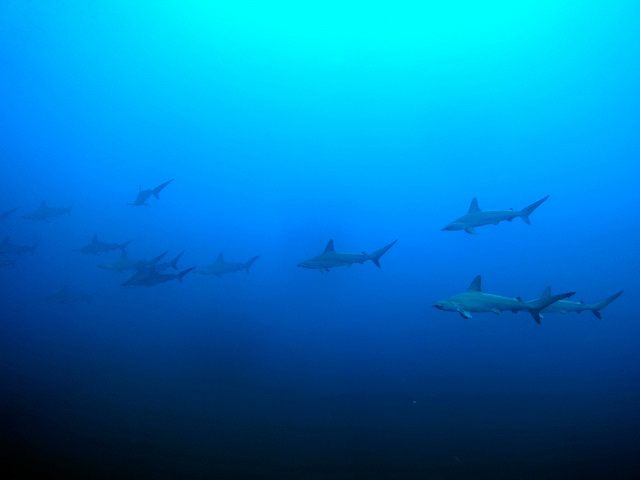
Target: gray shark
(124, 263)
(151, 276)
(221, 267)
(566, 306)
(66, 296)
(7, 248)
(143, 195)
(475, 300)
(44, 212)
(6, 213)
(96, 247)
(330, 259)
(476, 217)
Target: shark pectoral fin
(464, 314)
(470, 230)
(496, 311)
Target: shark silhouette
(96, 247)
(330, 259)
(143, 195)
(45, 212)
(566, 306)
(222, 267)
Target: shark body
(329, 258)
(8, 248)
(96, 247)
(6, 213)
(476, 301)
(221, 267)
(144, 195)
(567, 306)
(124, 263)
(151, 276)
(66, 296)
(476, 217)
(45, 212)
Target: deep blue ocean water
(285, 125)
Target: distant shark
(475, 300)
(96, 247)
(476, 217)
(44, 212)
(566, 306)
(7, 248)
(66, 296)
(221, 267)
(6, 213)
(330, 259)
(151, 276)
(124, 263)
(143, 195)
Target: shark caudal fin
(181, 275)
(174, 263)
(536, 306)
(375, 256)
(156, 190)
(596, 307)
(526, 211)
(250, 262)
(122, 246)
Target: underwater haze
(280, 126)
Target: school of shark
(147, 273)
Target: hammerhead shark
(97, 247)
(476, 217)
(124, 263)
(6, 213)
(330, 259)
(221, 267)
(151, 276)
(475, 300)
(566, 306)
(45, 213)
(143, 195)
(7, 248)
(65, 295)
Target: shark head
(308, 264)
(453, 226)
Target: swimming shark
(171, 263)
(66, 296)
(151, 276)
(221, 267)
(476, 217)
(330, 259)
(44, 212)
(566, 306)
(97, 247)
(124, 263)
(7, 248)
(143, 195)
(6, 213)
(475, 300)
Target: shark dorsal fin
(220, 258)
(94, 239)
(474, 206)
(546, 292)
(329, 248)
(476, 284)
(5, 240)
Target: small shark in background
(7, 248)
(566, 306)
(124, 263)
(44, 212)
(96, 247)
(476, 217)
(66, 296)
(330, 259)
(151, 276)
(6, 213)
(143, 195)
(475, 300)
(220, 267)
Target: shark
(566, 306)
(8, 248)
(330, 259)
(151, 276)
(221, 267)
(170, 264)
(124, 263)
(6, 213)
(66, 296)
(96, 247)
(143, 195)
(476, 217)
(45, 212)
(475, 300)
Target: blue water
(285, 125)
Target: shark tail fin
(543, 302)
(181, 275)
(125, 244)
(156, 190)
(528, 210)
(596, 307)
(375, 256)
(174, 262)
(250, 262)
